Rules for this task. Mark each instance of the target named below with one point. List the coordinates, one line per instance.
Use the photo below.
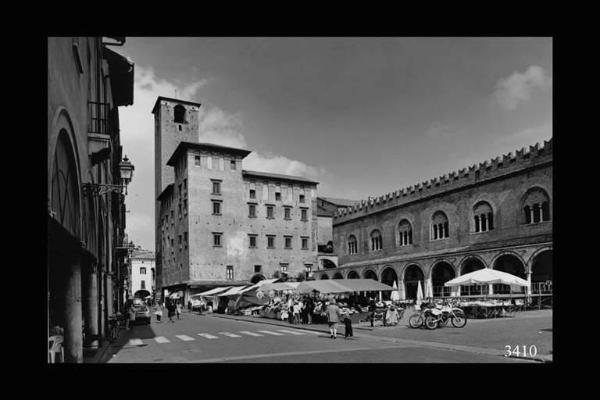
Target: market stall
(283, 295)
(210, 296)
(488, 307)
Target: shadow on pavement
(138, 331)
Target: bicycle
(114, 327)
(417, 319)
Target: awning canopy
(322, 286)
(259, 284)
(279, 286)
(364, 285)
(487, 276)
(213, 292)
(342, 286)
(232, 292)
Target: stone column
(90, 305)
(529, 281)
(100, 301)
(109, 294)
(73, 342)
(490, 289)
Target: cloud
(518, 87)
(526, 137)
(281, 165)
(219, 127)
(215, 126)
(437, 130)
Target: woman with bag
(178, 308)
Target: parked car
(142, 311)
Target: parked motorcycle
(439, 316)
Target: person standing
(310, 306)
(333, 317)
(297, 308)
(170, 310)
(348, 326)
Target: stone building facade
(143, 273)
(218, 224)
(497, 214)
(87, 82)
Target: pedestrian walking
(131, 312)
(333, 317)
(178, 309)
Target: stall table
(477, 310)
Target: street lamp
(98, 189)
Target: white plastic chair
(55, 346)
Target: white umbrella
(419, 293)
(487, 276)
(395, 296)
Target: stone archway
(513, 265)
(471, 264)
(413, 274)
(257, 278)
(388, 276)
(441, 273)
(338, 275)
(369, 274)
(324, 276)
(353, 275)
(541, 272)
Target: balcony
(102, 127)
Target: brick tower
(175, 121)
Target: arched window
(64, 188)
(484, 217)
(404, 233)
(352, 246)
(376, 240)
(179, 112)
(439, 226)
(536, 206)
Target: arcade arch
(441, 273)
(513, 265)
(413, 274)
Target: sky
(362, 116)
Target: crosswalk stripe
(251, 333)
(292, 332)
(229, 334)
(135, 342)
(162, 339)
(272, 333)
(185, 338)
(208, 336)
